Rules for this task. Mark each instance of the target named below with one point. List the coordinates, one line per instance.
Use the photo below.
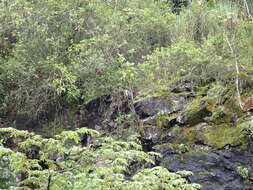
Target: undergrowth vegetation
(55, 54)
(67, 162)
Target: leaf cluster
(103, 164)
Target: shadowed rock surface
(214, 170)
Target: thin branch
(246, 7)
(242, 67)
(237, 80)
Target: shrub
(62, 162)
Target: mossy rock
(153, 133)
(223, 135)
(232, 105)
(247, 100)
(222, 115)
(226, 113)
(246, 124)
(164, 147)
(214, 136)
(166, 120)
(196, 111)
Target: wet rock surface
(214, 170)
(152, 106)
(166, 104)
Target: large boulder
(154, 105)
(220, 136)
(157, 115)
(195, 112)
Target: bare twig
(237, 80)
(246, 7)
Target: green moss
(221, 136)
(222, 115)
(214, 136)
(194, 105)
(231, 106)
(190, 134)
(246, 124)
(246, 95)
(164, 146)
(165, 120)
(196, 112)
(216, 129)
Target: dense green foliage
(58, 53)
(62, 163)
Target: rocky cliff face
(209, 135)
(203, 136)
(214, 169)
(194, 131)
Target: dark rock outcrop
(152, 106)
(214, 170)
(105, 108)
(157, 115)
